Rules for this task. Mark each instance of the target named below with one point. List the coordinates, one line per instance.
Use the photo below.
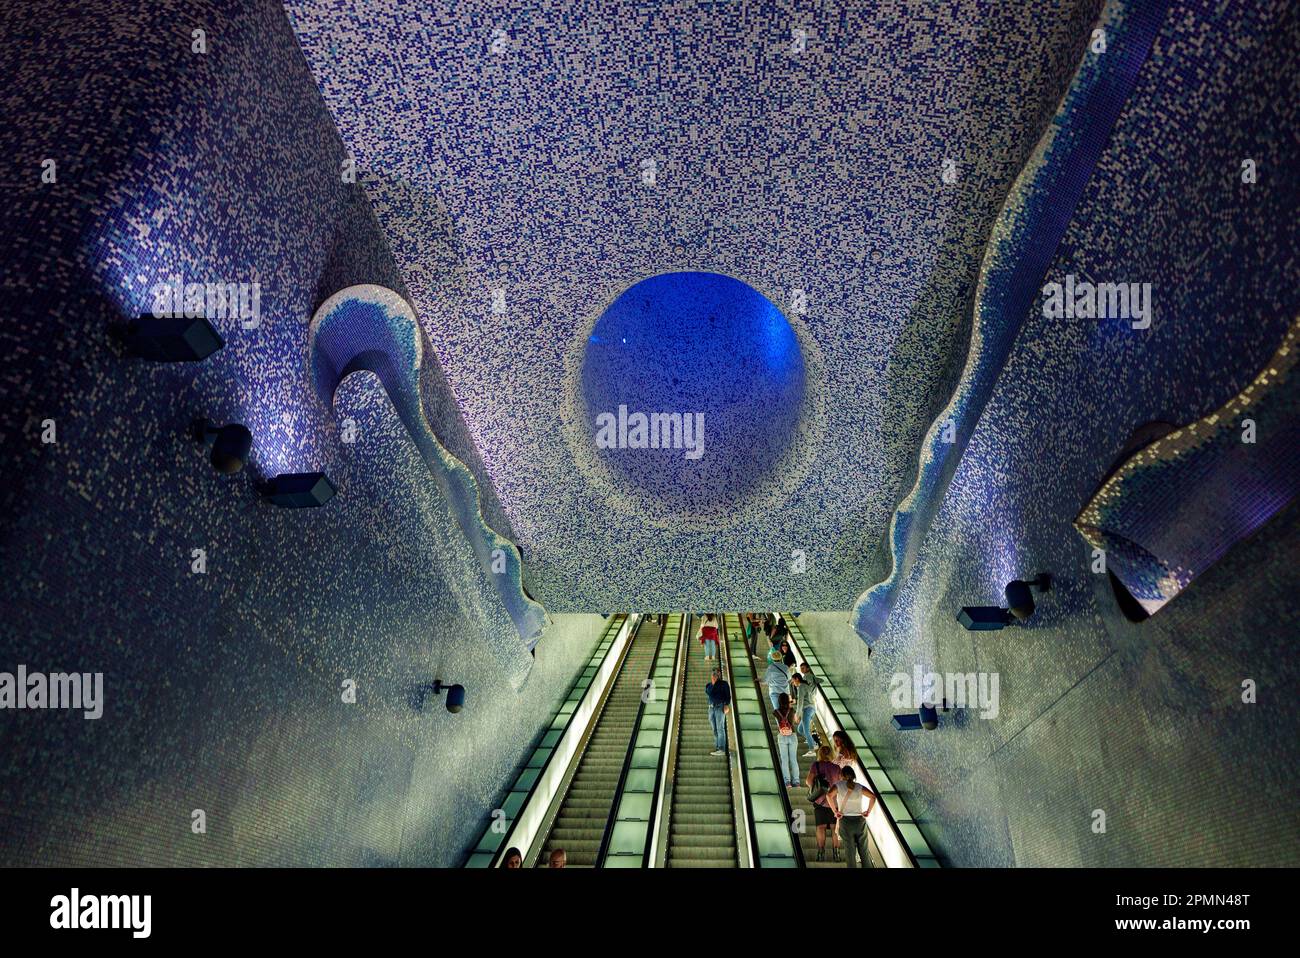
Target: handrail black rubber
(893, 825)
(776, 758)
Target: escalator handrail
(538, 842)
(763, 700)
(660, 833)
(603, 850)
(744, 801)
(615, 624)
(860, 769)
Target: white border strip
(739, 787)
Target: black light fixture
(167, 339)
(929, 716)
(984, 618)
(299, 490)
(1020, 606)
(1020, 594)
(455, 694)
(230, 444)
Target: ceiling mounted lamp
(455, 694)
(299, 490)
(984, 618)
(171, 339)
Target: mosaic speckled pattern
(223, 689)
(1145, 722)
(820, 171)
(370, 327)
(522, 169)
(1029, 228)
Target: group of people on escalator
(841, 805)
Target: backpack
(783, 723)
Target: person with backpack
(776, 677)
(708, 636)
(821, 778)
(852, 803)
(787, 742)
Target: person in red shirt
(708, 636)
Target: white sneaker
(717, 751)
(810, 753)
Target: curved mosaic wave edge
(1023, 241)
(373, 328)
(1126, 506)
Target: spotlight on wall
(929, 716)
(984, 618)
(171, 339)
(455, 694)
(1020, 594)
(299, 490)
(1020, 606)
(230, 444)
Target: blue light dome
(701, 349)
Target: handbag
(818, 787)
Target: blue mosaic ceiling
(528, 168)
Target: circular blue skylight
(693, 385)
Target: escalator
(701, 823)
(799, 803)
(587, 806)
(798, 797)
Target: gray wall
(1143, 721)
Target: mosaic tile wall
(563, 152)
(1145, 722)
(1172, 510)
(223, 690)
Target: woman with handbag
(821, 777)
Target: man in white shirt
(852, 803)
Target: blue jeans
(775, 696)
(805, 726)
(718, 719)
(710, 648)
(787, 749)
